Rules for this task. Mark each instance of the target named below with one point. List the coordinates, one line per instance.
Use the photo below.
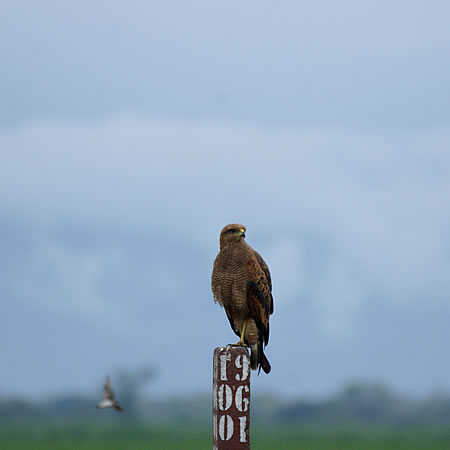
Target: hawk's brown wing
(266, 271)
(259, 295)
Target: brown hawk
(241, 283)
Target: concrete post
(231, 398)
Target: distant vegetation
(358, 404)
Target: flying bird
(108, 400)
(241, 283)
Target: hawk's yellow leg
(241, 341)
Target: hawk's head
(234, 232)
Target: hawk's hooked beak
(242, 232)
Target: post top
(238, 348)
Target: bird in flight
(108, 397)
(241, 283)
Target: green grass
(99, 437)
(351, 438)
(135, 437)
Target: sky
(131, 133)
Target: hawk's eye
(231, 230)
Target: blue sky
(131, 133)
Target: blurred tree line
(368, 404)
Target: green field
(134, 437)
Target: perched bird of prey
(108, 400)
(241, 283)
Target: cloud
(319, 62)
(340, 215)
(57, 278)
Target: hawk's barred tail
(258, 359)
(254, 356)
(264, 362)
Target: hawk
(241, 283)
(108, 397)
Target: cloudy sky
(130, 133)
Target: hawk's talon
(241, 342)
